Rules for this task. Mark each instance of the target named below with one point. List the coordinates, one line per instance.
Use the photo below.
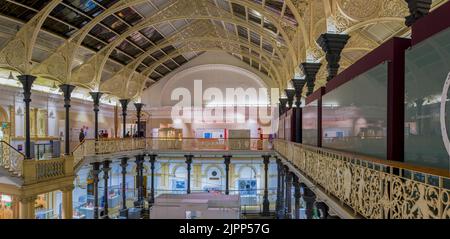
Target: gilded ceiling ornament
(360, 10)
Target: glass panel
(354, 116)
(310, 117)
(427, 70)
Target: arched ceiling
(131, 44)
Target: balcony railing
(373, 188)
(92, 147)
(33, 171)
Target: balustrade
(373, 188)
(92, 147)
(32, 170)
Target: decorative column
(310, 70)
(278, 185)
(96, 96)
(322, 208)
(139, 107)
(418, 9)
(266, 203)
(189, 166)
(67, 202)
(290, 93)
(139, 181)
(124, 103)
(152, 167)
(281, 212)
(333, 44)
(27, 82)
(309, 197)
(67, 92)
(298, 86)
(124, 165)
(227, 173)
(106, 170)
(95, 173)
(288, 207)
(283, 102)
(297, 196)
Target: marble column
(309, 197)
(106, 169)
(189, 166)
(67, 203)
(27, 82)
(227, 162)
(266, 203)
(124, 103)
(95, 173)
(288, 207)
(152, 187)
(96, 96)
(124, 165)
(67, 92)
(297, 196)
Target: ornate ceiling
(123, 47)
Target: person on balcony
(82, 136)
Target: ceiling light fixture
(11, 76)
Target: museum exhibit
(224, 109)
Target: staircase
(11, 160)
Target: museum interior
(224, 109)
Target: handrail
(12, 148)
(11, 159)
(394, 164)
(372, 187)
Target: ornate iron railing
(373, 188)
(92, 147)
(11, 159)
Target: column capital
(266, 159)
(67, 91)
(27, 199)
(96, 96)
(27, 82)
(417, 10)
(333, 44)
(227, 159)
(290, 93)
(124, 104)
(310, 70)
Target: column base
(123, 213)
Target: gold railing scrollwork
(373, 188)
(11, 159)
